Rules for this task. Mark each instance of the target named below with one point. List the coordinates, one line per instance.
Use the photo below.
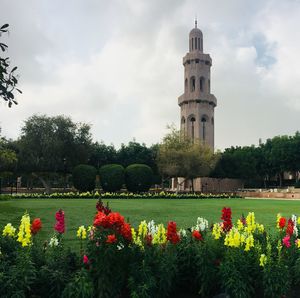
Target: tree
(8, 79)
(102, 154)
(180, 156)
(52, 145)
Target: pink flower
(60, 221)
(85, 259)
(286, 241)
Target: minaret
(197, 104)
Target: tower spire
(196, 21)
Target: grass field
(184, 212)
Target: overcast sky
(117, 65)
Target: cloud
(118, 65)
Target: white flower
(53, 241)
(201, 224)
(152, 228)
(120, 246)
(294, 219)
(182, 232)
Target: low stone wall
(264, 194)
(209, 185)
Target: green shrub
(84, 177)
(138, 177)
(297, 184)
(111, 177)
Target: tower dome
(196, 39)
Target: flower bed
(123, 195)
(152, 260)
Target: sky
(117, 65)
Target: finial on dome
(196, 21)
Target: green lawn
(184, 212)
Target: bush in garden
(111, 177)
(84, 177)
(138, 177)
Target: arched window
(182, 123)
(185, 85)
(192, 84)
(202, 83)
(199, 44)
(204, 120)
(196, 43)
(192, 120)
(192, 43)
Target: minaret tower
(197, 104)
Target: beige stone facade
(197, 103)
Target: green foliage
(240, 273)
(80, 286)
(180, 156)
(276, 280)
(17, 271)
(111, 177)
(138, 177)
(109, 268)
(84, 177)
(153, 272)
(8, 78)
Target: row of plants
(136, 177)
(117, 260)
(121, 195)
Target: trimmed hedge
(84, 177)
(138, 177)
(112, 177)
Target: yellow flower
(277, 220)
(240, 225)
(262, 260)
(217, 230)
(298, 220)
(297, 243)
(250, 221)
(136, 239)
(160, 236)
(81, 232)
(234, 238)
(249, 242)
(24, 234)
(9, 230)
(260, 228)
(143, 230)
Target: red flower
(100, 207)
(126, 231)
(172, 234)
(286, 241)
(100, 219)
(290, 227)
(282, 222)
(36, 226)
(111, 238)
(60, 221)
(226, 217)
(197, 235)
(85, 259)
